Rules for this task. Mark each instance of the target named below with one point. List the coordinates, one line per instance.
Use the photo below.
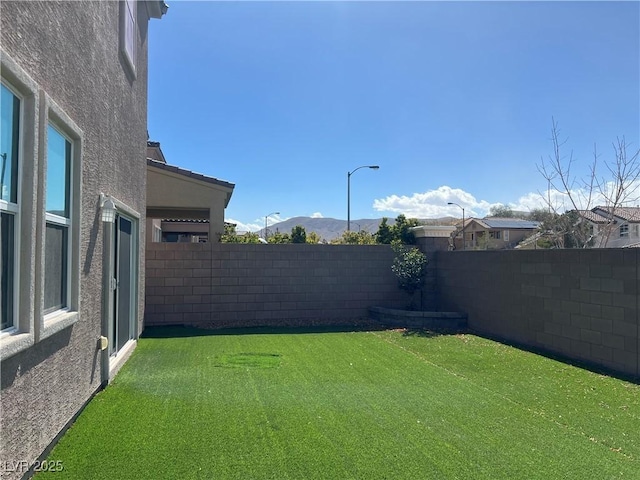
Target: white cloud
(583, 198)
(317, 215)
(433, 204)
(257, 225)
(245, 227)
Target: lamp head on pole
(372, 167)
(108, 211)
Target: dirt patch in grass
(248, 360)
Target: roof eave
(156, 8)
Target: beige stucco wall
(174, 195)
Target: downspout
(107, 300)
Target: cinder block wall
(228, 285)
(582, 304)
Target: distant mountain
(331, 228)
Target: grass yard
(351, 405)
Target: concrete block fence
(236, 285)
(581, 304)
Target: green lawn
(366, 405)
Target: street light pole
(265, 222)
(373, 167)
(451, 203)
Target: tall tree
(313, 237)
(298, 234)
(402, 230)
(384, 234)
(501, 211)
(279, 238)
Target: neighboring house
(613, 228)
(72, 207)
(434, 237)
(493, 233)
(184, 231)
(183, 206)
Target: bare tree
(610, 184)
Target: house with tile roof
(613, 227)
(183, 206)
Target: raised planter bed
(449, 321)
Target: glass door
(123, 324)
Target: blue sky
(453, 100)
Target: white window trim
(14, 208)
(22, 335)
(124, 48)
(624, 230)
(58, 220)
(505, 235)
(54, 322)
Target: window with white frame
(128, 13)
(40, 184)
(624, 230)
(157, 234)
(505, 235)
(9, 149)
(58, 221)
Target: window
(58, 253)
(9, 146)
(39, 274)
(128, 13)
(495, 235)
(505, 235)
(57, 221)
(624, 230)
(157, 234)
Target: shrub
(410, 267)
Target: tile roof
(630, 214)
(593, 216)
(186, 220)
(509, 223)
(188, 173)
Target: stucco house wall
(69, 53)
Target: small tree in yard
(410, 267)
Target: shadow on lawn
(178, 331)
(174, 331)
(424, 333)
